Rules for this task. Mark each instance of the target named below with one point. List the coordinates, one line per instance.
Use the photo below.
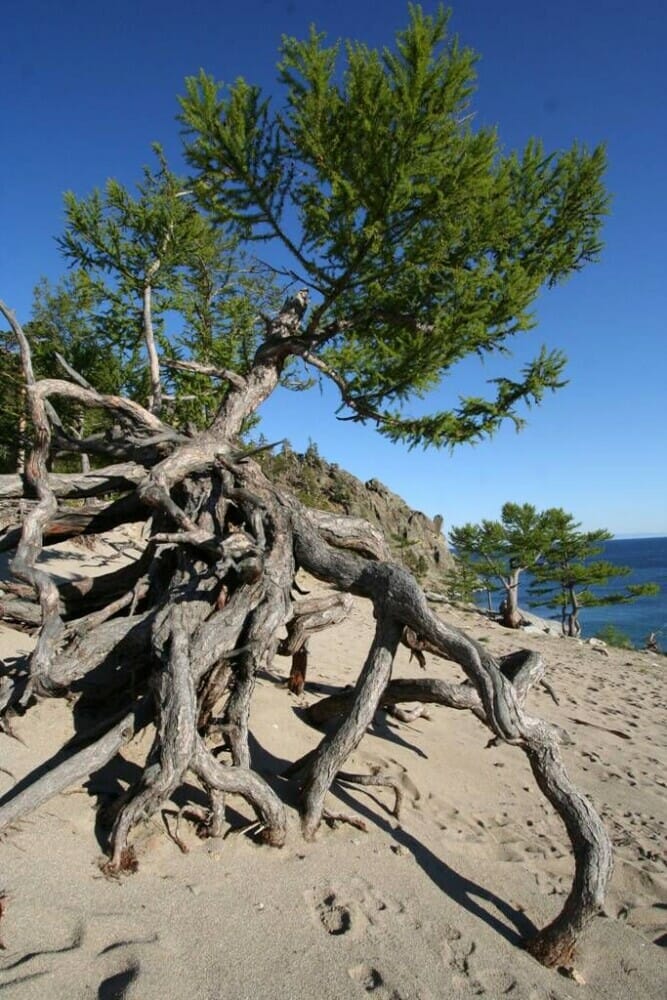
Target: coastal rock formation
(415, 540)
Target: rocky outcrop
(415, 540)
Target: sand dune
(429, 907)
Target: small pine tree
(498, 552)
(568, 570)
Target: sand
(426, 908)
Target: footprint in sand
(372, 981)
(353, 907)
(334, 916)
(115, 987)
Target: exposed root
(408, 715)
(127, 864)
(201, 611)
(332, 818)
(378, 781)
(297, 675)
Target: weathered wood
(175, 740)
(353, 533)
(310, 615)
(297, 675)
(428, 690)
(335, 749)
(75, 768)
(216, 585)
(89, 520)
(23, 565)
(78, 485)
(502, 710)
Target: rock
(414, 539)
(535, 625)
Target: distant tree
(462, 582)
(568, 570)
(614, 636)
(498, 552)
(13, 418)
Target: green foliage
(67, 319)
(136, 239)
(422, 241)
(462, 583)
(613, 636)
(201, 284)
(497, 552)
(559, 556)
(568, 571)
(12, 403)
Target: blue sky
(87, 88)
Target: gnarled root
(335, 749)
(211, 616)
(179, 748)
(310, 615)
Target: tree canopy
(421, 240)
(498, 552)
(559, 556)
(569, 578)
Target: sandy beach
(428, 907)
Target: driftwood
(185, 627)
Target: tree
(416, 243)
(12, 406)
(463, 582)
(568, 570)
(152, 246)
(500, 551)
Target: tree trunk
(155, 397)
(511, 616)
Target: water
(647, 558)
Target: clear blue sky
(87, 87)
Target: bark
(310, 615)
(74, 768)
(555, 944)
(92, 519)
(334, 750)
(511, 616)
(78, 486)
(22, 433)
(30, 545)
(155, 397)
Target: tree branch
(194, 366)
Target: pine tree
(564, 578)
(500, 551)
(421, 242)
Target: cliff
(415, 540)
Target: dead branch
(196, 368)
